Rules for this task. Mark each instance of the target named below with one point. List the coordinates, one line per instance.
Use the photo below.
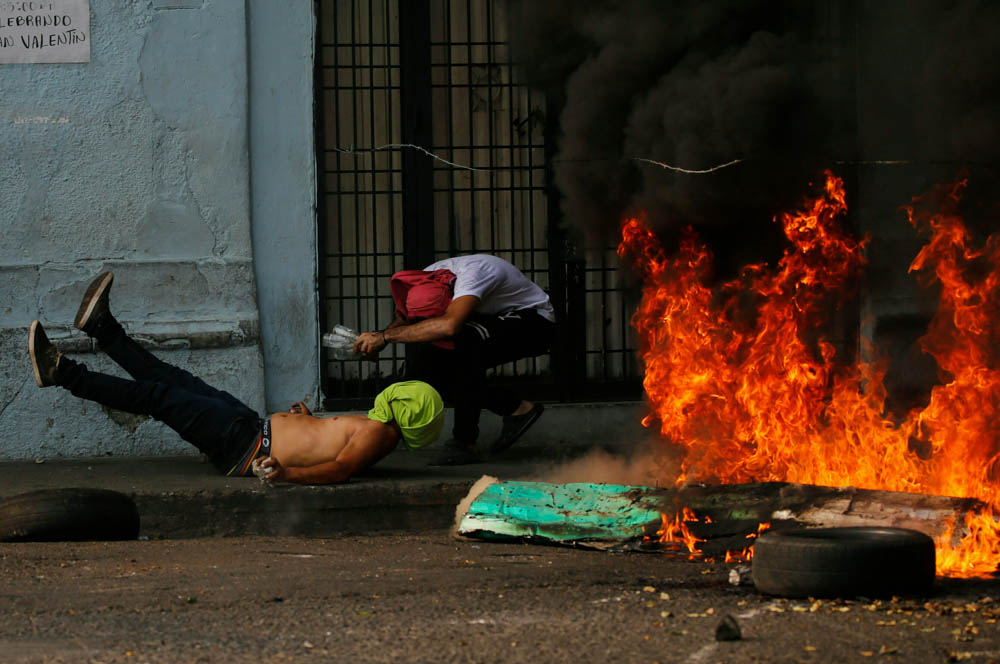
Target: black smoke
(788, 87)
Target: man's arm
(440, 327)
(396, 322)
(373, 354)
(366, 446)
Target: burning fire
(743, 379)
(676, 530)
(746, 555)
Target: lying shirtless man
(288, 447)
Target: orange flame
(675, 529)
(746, 554)
(743, 379)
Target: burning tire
(55, 515)
(843, 562)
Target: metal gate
(429, 148)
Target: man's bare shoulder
(361, 423)
(375, 427)
(356, 422)
(320, 417)
(350, 425)
(353, 418)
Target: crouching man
(284, 447)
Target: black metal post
(566, 275)
(416, 113)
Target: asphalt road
(435, 599)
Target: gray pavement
(431, 598)
(183, 496)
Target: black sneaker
(44, 356)
(454, 453)
(514, 427)
(94, 305)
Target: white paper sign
(44, 31)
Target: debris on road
(715, 519)
(599, 515)
(728, 630)
(844, 562)
(740, 576)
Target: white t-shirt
(500, 286)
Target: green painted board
(562, 512)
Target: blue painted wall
(139, 161)
(283, 186)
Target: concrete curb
(301, 511)
(183, 497)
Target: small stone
(740, 575)
(728, 630)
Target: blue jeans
(215, 422)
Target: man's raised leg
(216, 427)
(94, 317)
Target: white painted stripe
(703, 653)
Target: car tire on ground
(843, 562)
(53, 515)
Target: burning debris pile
(742, 379)
(772, 427)
(697, 522)
(708, 118)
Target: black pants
(215, 422)
(483, 342)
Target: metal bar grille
(485, 121)
(360, 98)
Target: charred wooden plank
(731, 507)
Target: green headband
(416, 407)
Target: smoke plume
(785, 86)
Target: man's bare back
(320, 450)
(304, 440)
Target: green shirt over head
(416, 407)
